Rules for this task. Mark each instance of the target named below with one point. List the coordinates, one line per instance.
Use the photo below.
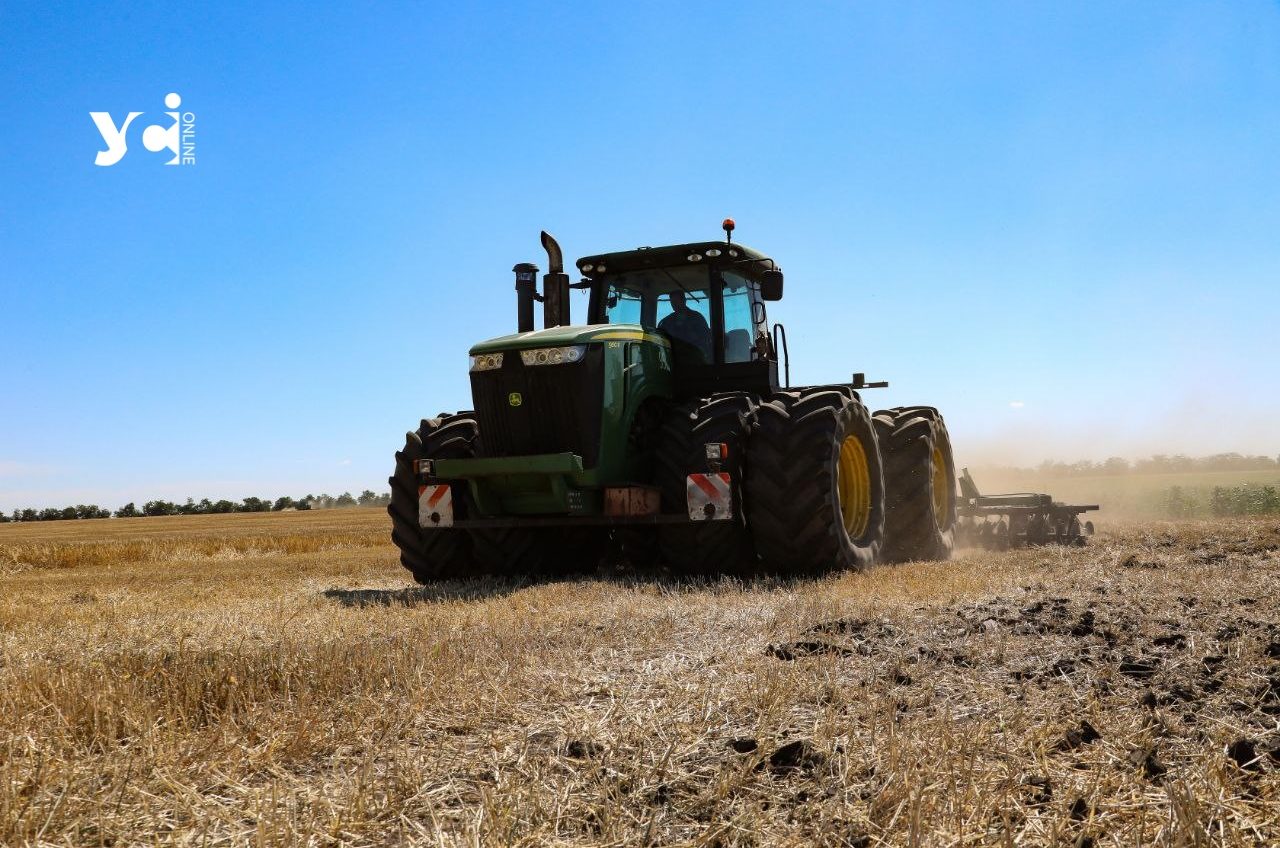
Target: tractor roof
(743, 259)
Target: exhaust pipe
(555, 286)
(526, 292)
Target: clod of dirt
(1079, 810)
(840, 626)
(1042, 789)
(1084, 627)
(1171, 640)
(1269, 694)
(1244, 753)
(1076, 737)
(1139, 668)
(582, 750)
(1273, 649)
(744, 745)
(807, 649)
(1179, 692)
(793, 757)
(990, 625)
(901, 678)
(1152, 768)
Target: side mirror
(771, 285)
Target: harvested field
(275, 680)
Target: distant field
(176, 539)
(275, 680)
(1126, 495)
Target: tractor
(659, 431)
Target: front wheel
(437, 554)
(705, 547)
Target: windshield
(644, 297)
(677, 303)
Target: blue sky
(1073, 207)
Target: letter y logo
(116, 145)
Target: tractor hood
(571, 335)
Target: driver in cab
(687, 327)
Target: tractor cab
(706, 298)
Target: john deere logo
(514, 399)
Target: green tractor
(659, 431)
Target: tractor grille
(559, 411)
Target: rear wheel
(920, 479)
(430, 554)
(703, 547)
(815, 485)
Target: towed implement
(1000, 522)
(659, 429)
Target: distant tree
(128, 511)
(30, 515)
(4, 519)
(1116, 465)
(91, 511)
(345, 499)
(367, 498)
(254, 505)
(159, 507)
(305, 503)
(222, 506)
(283, 502)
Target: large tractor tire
(430, 554)
(920, 479)
(705, 547)
(814, 485)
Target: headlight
(486, 362)
(553, 355)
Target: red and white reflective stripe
(714, 490)
(435, 506)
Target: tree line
(205, 506)
(1157, 464)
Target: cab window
(740, 314)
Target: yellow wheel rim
(941, 490)
(853, 484)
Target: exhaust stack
(526, 293)
(555, 286)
